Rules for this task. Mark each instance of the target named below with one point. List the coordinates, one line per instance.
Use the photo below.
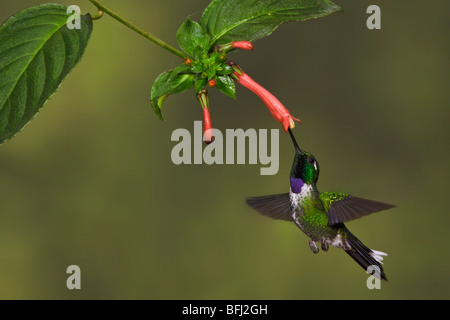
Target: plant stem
(135, 28)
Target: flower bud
(207, 127)
(244, 45)
(212, 83)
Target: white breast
(297, 198)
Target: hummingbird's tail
(365, 257)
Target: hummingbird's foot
(325, 246)
(313, 247)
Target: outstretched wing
(342, 207)
(276, 206)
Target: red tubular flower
(279, 112)
(207, 127)
(244, 45)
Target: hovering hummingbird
(321, 215)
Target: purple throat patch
(296, 185)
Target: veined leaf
(167, 83)
(200, 83)
(226, 85)
(181, 68)
(37, 51)
(235, 20)
(192, 38)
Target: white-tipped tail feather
(364, 256)
(378, 255)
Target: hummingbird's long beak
(297, 148)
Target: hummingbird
(321, 215)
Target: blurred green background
(90, 180)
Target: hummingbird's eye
(313, 162)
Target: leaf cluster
(38, 50)
(222, 23)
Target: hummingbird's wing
(342, 207)
(276, 206)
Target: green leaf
(225, 70)
(211, 73)
(226, 85)
(192, 38)
(167, 84)
(198, 68)
(200, 82)
(37, 51)
(236, 20)
(180, 69)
